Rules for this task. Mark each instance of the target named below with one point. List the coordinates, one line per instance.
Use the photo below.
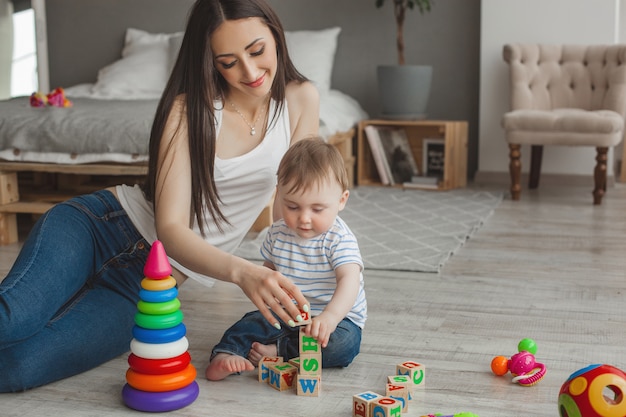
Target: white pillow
(143, 70)
(313, 54)
(175, 43)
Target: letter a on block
(282, 376)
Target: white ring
(159, 350)
(527, 375)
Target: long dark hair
(194, 75)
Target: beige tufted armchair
(564, 95)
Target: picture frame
(433, 152)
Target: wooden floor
(551, 267)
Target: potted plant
(404, 89)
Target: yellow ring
(158, 284)
(598, 401)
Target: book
(378, 153)
(418, 186)
(422, 182)
(398, 153)
(434, 152)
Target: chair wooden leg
(515, 169)
(599, 175)
(536, 157)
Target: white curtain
(6, 47)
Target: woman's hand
(271, 292)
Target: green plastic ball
(527, 345)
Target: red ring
(159, 366)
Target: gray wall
(448, 38)
(85, 35)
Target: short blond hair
(310, 161)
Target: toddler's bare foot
(224, 364)
(259, 350)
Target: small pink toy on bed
(55, 98)
(38, 99)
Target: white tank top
(244, 183)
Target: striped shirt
(311, 263)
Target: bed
(48, 154)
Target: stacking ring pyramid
(160, 376)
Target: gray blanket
(89, 126)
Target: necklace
(251, 126)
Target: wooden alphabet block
(264, 363)
(361, 403)
(311, 364)
(415, 371)
(282, 376)
(308, 385)
(295, 362)
(403, 380)
(306, 318)
(399, 393)
(385, 407)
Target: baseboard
(502, 178)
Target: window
(24, 68)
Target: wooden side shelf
(455, 160)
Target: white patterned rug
(408, 230)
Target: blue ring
(158, 296)
(160, 401)
(170, 334)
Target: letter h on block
(310, 376)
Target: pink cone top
(157, 265)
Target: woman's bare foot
(258, 351)
(224, 364)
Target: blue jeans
(343, 346)
(69, 301)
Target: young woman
(233, 105)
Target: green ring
(158, 322)
(165, 307)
